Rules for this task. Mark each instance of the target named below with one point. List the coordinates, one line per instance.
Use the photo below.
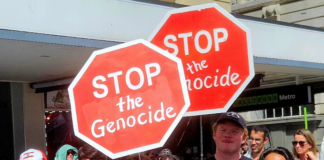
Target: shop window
(59, 131)
(58, 123)
(310, 109)
(58, 99)
(288, 111)
(278, 112)
(295, 111)
(269, 113)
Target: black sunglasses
(70, 152)
(301, 143)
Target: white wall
(114, 20)
(319, 103)
(34, 119)
(285, 42)
(226, 4)
(123, 20)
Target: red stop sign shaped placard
(128, 98)
(215, 49)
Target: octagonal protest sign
(128, 98)
(215, 49)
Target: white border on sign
(249, 47)
(173, 125)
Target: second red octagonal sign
(215, 49)
(128, 98)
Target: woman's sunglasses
(70, 152)
(301, 143)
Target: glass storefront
(59, 131)
(58, 122)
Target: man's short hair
(243, 144)
(263, 129)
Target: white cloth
(248, 154)
(321, 156)
(32, 154)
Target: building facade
(282, 126)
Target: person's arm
(311, 156)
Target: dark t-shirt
(213, 158)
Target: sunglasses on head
(70, 152)
(301, 143)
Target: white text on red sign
(205, 33)
(227, 79)
(131, 103)
(207, 81)
(115, 75)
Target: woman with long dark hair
(277, 153)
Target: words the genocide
(98, 128)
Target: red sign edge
(249, 47)
(140, 149)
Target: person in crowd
(154, 155)
(276, 153)
(175, 157)
(66, 152)
(321, 155)
(244, 148)
(304, 146)
(208, 154)
(166, 154)
(170, 157)
(137, 156)
(229, 133)
(259, 137)
(87, 152)
(32, 154)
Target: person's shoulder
(212, 157)
(248, 154)
(245, 158)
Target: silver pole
(201, 140)
(139, 156)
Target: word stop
(203, 33)
(129, 84)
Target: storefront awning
(43, 50)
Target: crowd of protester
(230, 135)
(87, 152)
(304, 146)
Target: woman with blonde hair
(304, 146)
